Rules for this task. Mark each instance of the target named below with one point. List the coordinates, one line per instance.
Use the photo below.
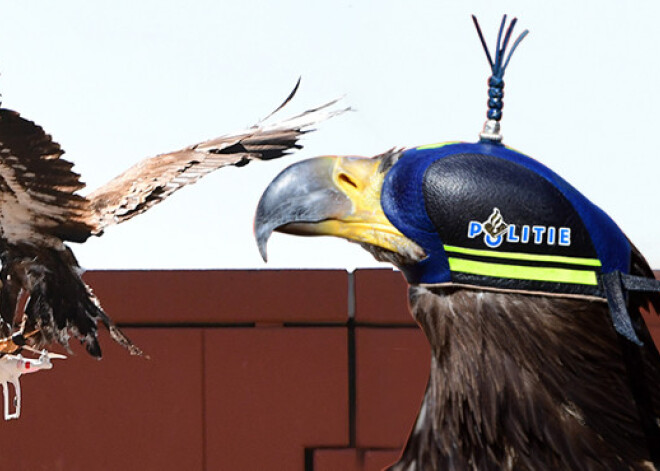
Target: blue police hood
(487, 215)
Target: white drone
(12, 367)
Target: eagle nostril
(343, 178)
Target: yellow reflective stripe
(592, 262)
(557, 275)
(436, 146)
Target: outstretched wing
(37, 187)
(152, 180)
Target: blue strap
(615, 283)
(614, 286)
(640, 283)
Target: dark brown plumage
(40, 210)
(524, 382)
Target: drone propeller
(49, 355)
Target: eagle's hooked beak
(335, 196)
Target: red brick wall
(249, 370)
(293, 370)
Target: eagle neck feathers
(522, 382)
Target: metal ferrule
(491, 131)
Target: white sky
(117, 81)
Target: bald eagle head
(515, 278)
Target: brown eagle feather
(40, 209)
